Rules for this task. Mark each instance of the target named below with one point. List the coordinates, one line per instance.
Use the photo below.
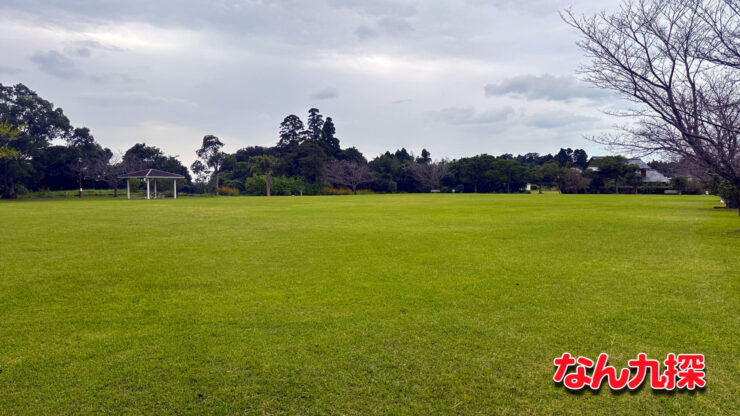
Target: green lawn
(377, 304)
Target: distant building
(649, 175)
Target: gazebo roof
(151, 173)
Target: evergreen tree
(314, 125)
(329, 143)
(291, 131)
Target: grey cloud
(93, 44)
(365, 33)
(395, 25)
(469, 116)
(82, 52)
(114, 78)
(403, 101)
(9, 70)
(325, 94)
(545, 87)
(56, 64)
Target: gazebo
(147, 175)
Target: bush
(20, 189)
(344, 191)
(460, 188)
(228, 191)
(280, 185)
(336, 191)
(652, 189)
(135, 184)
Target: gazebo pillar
(174, 188)
(155, 189)
(128, 188)
(147, 188)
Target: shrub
(280, 185)
(135, 184)
(336, 191)
(228, 191)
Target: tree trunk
(217, 172)
(268, 182)
(115, 191)
(9, 191)
(539, 191)
(79, 181)
(354, 189)
(616, 186)
(475, 188)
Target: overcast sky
(457, 77)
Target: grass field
(377, 304)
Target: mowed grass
(378, 304)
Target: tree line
(41, 150)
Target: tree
(612, 168)
(291, 132)
(352, 154)
(113, 169)
(37, 122)
(425, 157)
(564, 157)
(264, 165)
(347, 173)
(573, 182)
(314, 125)
(141, 156)
(548, 174)
(677, 61)
(429, 174)
(211, 158)
(9, 135)
(580, 159)
(91, 158)
(328, 141)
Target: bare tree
(667, 56)
(723, 24)
(429, 174)
(347, 173)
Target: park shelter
(147, 175)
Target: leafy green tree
(38, 123)
(564, 157)
(351, 154)
(580, 159)
(548, 174)
(307, 160)
(329, 142)
(91, 158)
(291, 132)
(211, 158)
(314, 125)
(141, 156)
(425, 157)
(613, 168)
(679, 183)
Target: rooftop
(151, 173)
